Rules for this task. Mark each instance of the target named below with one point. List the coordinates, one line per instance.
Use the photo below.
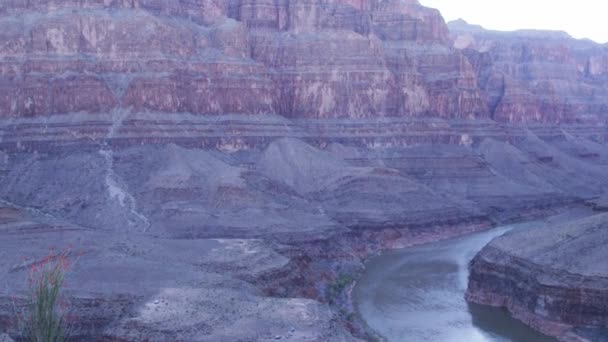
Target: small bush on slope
(46, 318)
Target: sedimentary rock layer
(554, 279)
(293, 58)
(298, 59)
(236, 74)
(536, 75)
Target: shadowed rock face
(205, 153)
(552, 278)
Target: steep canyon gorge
(223, 167)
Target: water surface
(417, 294)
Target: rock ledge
(554, 279)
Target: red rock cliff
(340, 58)
(536, 75)
(91, 64)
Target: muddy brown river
(417, 294)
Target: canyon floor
(191, 244)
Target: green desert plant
(46, 317)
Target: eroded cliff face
(125, 71)
(301, 59)
(537, 76)
(551, 278)
(92, 66)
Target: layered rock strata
(294, 58)
(536, 75)
(553, 279)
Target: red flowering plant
(46, 318)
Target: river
(417, 294)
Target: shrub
(334, 289)
(46, 316)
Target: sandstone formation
(221, 164)
(231, 74)
(553, 278)
(294, 58)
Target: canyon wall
(535, 75)
(78, 72)
(305, 59)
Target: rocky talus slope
(554, 278)
(223, 165)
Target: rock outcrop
(554, 279)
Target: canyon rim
(225, 166)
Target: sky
(580, 18)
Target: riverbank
(557, 285)
(382, 269)
(330, 277)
